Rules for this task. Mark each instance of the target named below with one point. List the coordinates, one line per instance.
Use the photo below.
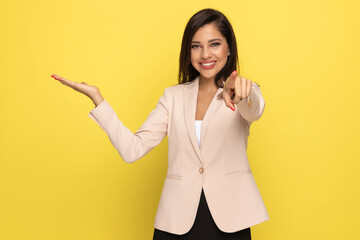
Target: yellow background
(60, 177)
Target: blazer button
(201, 170)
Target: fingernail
(232, 109)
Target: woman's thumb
(233, 74)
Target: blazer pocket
(237, 173)
(174, 162)
(174, 177)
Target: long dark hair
(187, 72)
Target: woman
(209, 191)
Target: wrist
(97, 100)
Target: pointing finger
(227, 100)
(238, 91)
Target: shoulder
(175, 89)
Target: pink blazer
(219, 165)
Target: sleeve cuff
(96, 112)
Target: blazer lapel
(190, 103)
(214, 105)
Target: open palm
(91, 91)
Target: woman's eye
(215, 44)
(195, 46)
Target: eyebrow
(212, 40)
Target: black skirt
(204, 228)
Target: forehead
(207, 32)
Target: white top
(198, 130)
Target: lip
(207, 67)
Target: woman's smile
(207, 64)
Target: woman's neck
(207, 85)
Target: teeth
(208, 64)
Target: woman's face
(209, 51)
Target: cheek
(193, 56)
(223, 53)
(193, 60)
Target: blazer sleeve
(133, 146)
(252, 107)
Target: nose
(205, 53)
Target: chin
(208, 76)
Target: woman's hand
(235, 89)
(91, 91)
